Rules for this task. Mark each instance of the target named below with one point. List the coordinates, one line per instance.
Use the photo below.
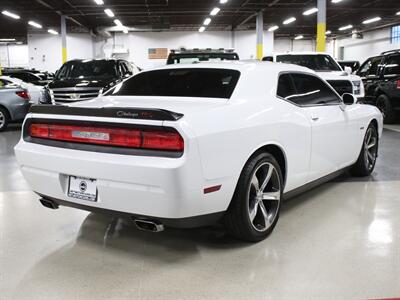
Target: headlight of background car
(357, 87)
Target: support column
(321, 26)
(260, 35)
(64, 39)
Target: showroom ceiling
(176, 15)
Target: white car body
(220, 135)
(35, 91)
(332, 75)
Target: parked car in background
(326, 67)
(353, 64)
(190, 56)
(36, 92)
(188, 145)
(25, 75)
(14, 103)
(381, 77)
(79, 80)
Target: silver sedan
(14, 103)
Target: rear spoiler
(108, 112)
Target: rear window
(206, 83)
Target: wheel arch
(7, 111)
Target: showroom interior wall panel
(14, 56)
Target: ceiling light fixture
(336, 1)
(310, 11)
(118, 23)
(223, 1)
(10, 14)
(99, 2)
(376, 19)
(125, 30)
(207, 21)
(34, 24)
(346, 27)
(328, 32)
(7, 40)
(398, 13)
(109, 12)
(273, 28)
(202, 29)
(288, 21)
(299, 37)
(215, 11)
(52, 31)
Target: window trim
(307, 105)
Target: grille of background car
(341, 86)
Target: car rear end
(14, 104)
(136, 156)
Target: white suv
(327, 67)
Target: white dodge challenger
(186, 146)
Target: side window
(285, 86)
(375, 66)
(312, 91)
(392, 66)
(364, 69)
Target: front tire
(4, 119)
(367, 159)
(385, 106)
(255, 206)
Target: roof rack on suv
(198, 50)
(390, 51)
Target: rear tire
(386, 108)
(255, 206)
(4, 119)
(366, 161)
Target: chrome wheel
(264, 196)
(370, 148)
(2, 119)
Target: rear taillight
(398, 84)
(23, 94)
(162, 139)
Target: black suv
(79, 80)
(381, 77)
(191, 56)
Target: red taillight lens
(120, 137)
(398, 84)
(24, 95)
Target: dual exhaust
(142, 224)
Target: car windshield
(190, 58)
(320, 62)
(196, 82)
(87, 69)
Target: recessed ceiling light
(299, 37)
(398, 13)
(99, 2)
(223, 1)
(7, 40)
(215, 11)
(328, 32)
(290, 20)
(118, 23)
(273, 28)
(310, 11)
(336, 1)
(34, 24)
(372, 20)
(346, 27)
(11, 15)
(109, 12)
(207, 21)
(52, 31)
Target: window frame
(294, 86)
(395, 35)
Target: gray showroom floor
(339, 241)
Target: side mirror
(348, 70)
(348, 99)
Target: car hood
(183, 105)
(335, 75)
(80, 83)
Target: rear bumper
(161, 188)
(19, 109)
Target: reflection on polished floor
(339, 241)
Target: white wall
(14, 56)
(373, 43)
(45, 49)
(138, 44)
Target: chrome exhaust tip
(48, 203)
(149, 225)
